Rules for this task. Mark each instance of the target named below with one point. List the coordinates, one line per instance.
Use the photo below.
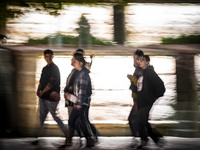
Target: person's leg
(78, 127)
(85, 126)
(94, 130)
(156, 136)
(71, 127)
(69, 109)
(43, 115)
(143, 114)
(133, 124)
(133, 121)
(43, 111)
(52, 106)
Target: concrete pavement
(105, 143)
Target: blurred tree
(119, 24)
(84, 33)
(11, 9)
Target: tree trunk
(119, 24)
(3, 17)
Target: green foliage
(183, 39)
(96, 41)
(66, 39)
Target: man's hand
(77, 106)
(91, 56)
(55, 95)
(39, 93)
(129, 76)
(70, 88)
(67, 96)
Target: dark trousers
(145, 128)
(82, 114)
(133, 120)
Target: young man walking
(149, 88)
(133, 116)
(49, 92)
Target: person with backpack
(149, 88)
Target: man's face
(77, 65)
(136, 60)
(48, 58)
(143, 63)
(72, 61)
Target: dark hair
(81, 51)
(146, 57)
(80, 58)
(48, 51)
(139, 52)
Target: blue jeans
(49, 106)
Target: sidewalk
(105, 143)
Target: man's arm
(47, 88)
(89, 64)
(38, 90)
(82, 93)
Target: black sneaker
(62, 146)
(143, 144)
(67, 144)
(134, 143)
(161, 142)
(95, 139)
(90, 143)
(36, 142)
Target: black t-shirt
(50, 76)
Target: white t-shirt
(140, 83)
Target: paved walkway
(105, 143)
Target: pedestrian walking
(48, 92)
(149, 88)
(81, 97)
(133, 116)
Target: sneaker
(62, 146)
(80, 141)
(95, 139)
(66, 144)
(161, 142)
(36, 142)
(90, 143)
(143, 144)
(134, 143)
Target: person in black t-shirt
(49, 92)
